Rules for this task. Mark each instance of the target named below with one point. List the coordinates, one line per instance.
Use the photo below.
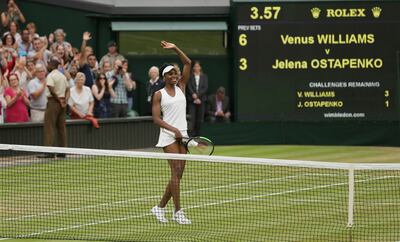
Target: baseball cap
(111, 43)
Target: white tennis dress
(174, 113)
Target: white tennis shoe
(180, 218)
(159, 213)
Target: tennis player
(171, 102)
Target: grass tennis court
(221, 199)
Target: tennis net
(108, 195)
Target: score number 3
(269, 13)
(243, 64)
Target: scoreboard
(306, 61)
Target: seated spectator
(24, 45)
(13, 14)
(155, 83)
(40, 52)
(102, 91)
(58, 38)
(32, 31)
(17, 102)
(218, 107)
(122, 84)
(81, 101)
(22, 72)
(37, 94)
(131, 92)
(112, 54)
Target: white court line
(201, 206)
(148, 198)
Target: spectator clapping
(17, 102)
(102, 91)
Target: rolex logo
(376, 12)
(315, 12)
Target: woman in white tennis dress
(171, 102)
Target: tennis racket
(198, 145)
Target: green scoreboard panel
(304, 61)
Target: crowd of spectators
(96, 89)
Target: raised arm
(85, 38)
(127, 80)
(19, 13)
(185, 61)
(4, 19)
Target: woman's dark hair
(98, 82)
(12, 74)
(162, 67)
(5, 38)
(197, 62)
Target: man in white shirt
(37, 94)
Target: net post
(350, 212)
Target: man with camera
(121, 83)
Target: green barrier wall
(305, 133)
